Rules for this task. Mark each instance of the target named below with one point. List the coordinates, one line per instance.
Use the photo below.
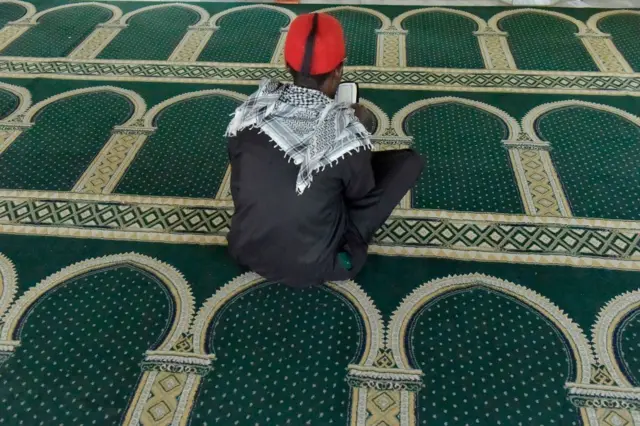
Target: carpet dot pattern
(66, 137)
(8, 103)
(360, 35)
(259, 29)
(43, 40)
(10, 12)
(543, 42)
(187, 155)
(444, 40)
(281, 358)
(80, 350)
(467, 168)
(625, 30)
(596, 155)
(628, 345)
(151, 35)
(488, 359)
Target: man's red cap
(328, 49)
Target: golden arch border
(204, 15)
(397, 21)
(116, 156)
(169, 276)
(215, 19)
(24, 100)
(381, 117)
(374, 329)
(116, 12)
(278, 53)
(385, 22)
(592, 22)
(139, 105)
(30, 9)
(400, 117)
(8, 283)
(529, 120)
(411, 305)
(609, 319)
(495, 19)
(155, 110)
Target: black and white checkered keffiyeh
(311, 129)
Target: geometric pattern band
(116, 216)
(420, 78)
(436, 232)
(510, 238)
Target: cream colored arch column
(613, 399)
(110, 165)
(601, 46)
(537, 179)
(107, 164)
(392, 46)
(495, 49)
(545, 187)
(392, 51)
(194, 41)
(99, 38)
(14, 124)
(15, 29)
(495, 44)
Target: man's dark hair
(309, 81)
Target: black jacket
(288, 237)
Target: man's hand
(365, 116)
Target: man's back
(278, 233)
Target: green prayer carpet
(503, 290)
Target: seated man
(309, 194)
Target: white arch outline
(481, 23)
(400, 116)
(204, 15)
(579, 345)
(8, 283)
(29, 9)
(172, 279)
(153, 112)
(116, 13)
(385, 22)
(216, 18)
(369, 314)
(24, 100)
(139, 106)
(609, 319)
(495, 19)
(592, 22)
(529, 120)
